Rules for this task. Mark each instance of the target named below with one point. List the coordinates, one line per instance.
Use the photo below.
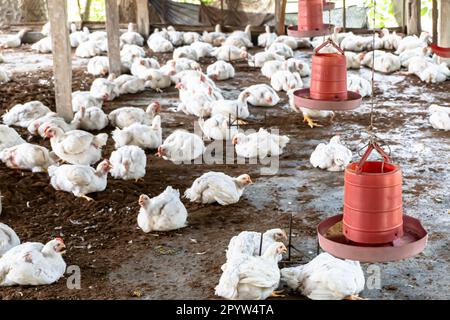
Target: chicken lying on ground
(98, 66)
(359, 85)
(309, 114)
(126, 116)
(90, 119)
(76, 146)
(162, 213)
(285, 80)
(267, 38)
(4, 76)
(220, 70)
(181, 146)
(128, 163)
(131, 36)
(252, 278)
(237, 109)
(9, 137)
(22, 115)
(249, 243)
(140, 135)
(38, 126)
(84, 99)
(13, 41)
(80, 179)
(32, 263)
(27, 156)
(129, 84)
(332, 156)
(217, 187)
(262, 95)
(326, 278)
(216, 38)
(230, 53)
(439, 117)
(260, 144)
(217, 127)
(104, 88)
(8, 238)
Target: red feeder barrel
(373, 211)
(329, 75)
(310, 15)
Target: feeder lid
(334, 242)
(303, 99)
(294, 32)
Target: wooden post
(344, 16)
(413, 17)
(404, 17)
(113, 30)
(143, 17)
(62, 58)
(444, 26)
(280, 16)
(435, 17)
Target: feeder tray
(324, 30)
(333, 241)
(440, 51)
(302, 98)
(328, 6)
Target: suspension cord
(371, 128)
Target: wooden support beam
(344, 16)
(62, 58)
(113, 30)
(444, 26)
(404, 17)
(143, 18)
(413, 18)
(280, 16)
(435, 17)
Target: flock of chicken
(251, 270)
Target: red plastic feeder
(328, 83)
(373, 227)
(310, 20)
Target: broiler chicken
(271, 67)
(131, 36)
(140, 135)
(80, 180)
(439, 117)
(128, 163)
(43, 46)
(158, 44)
(217, 127)
(202, 49)
(260, 58)
(38, 126)
(412, 42)
(181, 146)
(9, 137)
(237, 109)
(326, 278)
(260, 144)
(295, 65)
(33, 263)
(390, 40)
(220, 70)
(98, 66)
(252, 278)
(353, 60)
(88, 49)
(76, 146)
(129, 84)
(293, 43)
(359, 85)
(216, 38)
(27, 156)
(175, 37)
(267, 38)
(126, 116)
(8, 237)
(22, 115)
(84, 99)
(218, 187)
(90, 119)
(285, 80)
(13, 41)
(333, 156)
(199, 104)
(191, 37)
(309, 114)
(281, 49)
(185, 52)
(262, 95)
(353, 43)
(4, 76)
(230, 53)
(78, 37)
(164, 212)
(104, 88)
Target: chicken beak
(141, 201)
(250, 181)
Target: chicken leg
(310, 121)
(86, 197)
(277, 294)
(353, 297)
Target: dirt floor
(119, 261)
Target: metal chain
(371, 129)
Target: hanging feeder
(328, 5)
(440, 51)
(373, 227)
(310, 20)
(328, 89)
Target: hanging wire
(371, 129)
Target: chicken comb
(59, 239)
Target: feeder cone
(310, 20)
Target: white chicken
(271, 67)
(78, 37)
(76, 146)
(259, 59)
(281, 49)
(326, 278)
(98, 66)
(216, 38)
(88, 49)
(309, 114)
(126, 116)
(191, 37)
(22, 115)
(157, 80)
(175, 37)
(140, 67)
(27, 156)
(38, 126)
(129, 52)
(353, 42)
(267, 38)
(220, 70)
(353, 60)
(199, 104)
(104, 88)
(439, 117)
(159, 44)
(8, 237)
(202, 49)
(98, 36)
(252, 278)
(84, 99)
(293, 43)
(90, 119)
(13, 41)
(333, 156)
(80, 180)
(385, 62)
(181, 146)
(4, 76)
(379, 43)
(173, 67)
(185, 52)
(164, 212)
(296, 65)
(407, 55)
(260, 144)
(412, 42)
(131, 36)
(238, 41)
(128, 163)
(126, 84)
(285, 80)
(217, 128)
(359, 85)
(249, 243)
(212, 187)
(230, 53)
(9, 137)
(33, 263)
(262, 95)
(237, 109)
(390, 40)
(140, 135)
